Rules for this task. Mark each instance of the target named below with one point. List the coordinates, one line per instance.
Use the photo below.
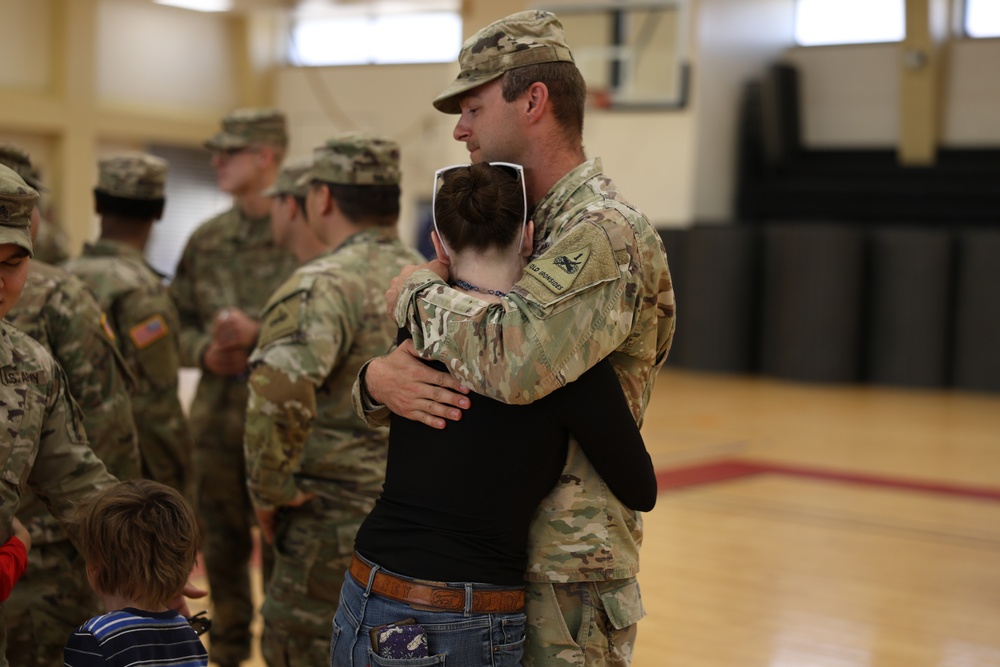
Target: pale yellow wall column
(922, 59)
(74, 79)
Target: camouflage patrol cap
(18, 159)
(355, 159)
(525, 38)
(17, 201)
(288, 179)
(132, 176)
(250, 127)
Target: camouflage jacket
(599, 285)
(231, 261)
(318, 329)
(58, 311)
(42, 445)
(146, 325)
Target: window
(982, 18)
(192, 197)
(820, 22)
(419, 33)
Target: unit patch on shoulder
(108, 331)
(281, 321)
(148, 332)
(559, 272)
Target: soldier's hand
(396, 286)
(234, 329)
(265, 519)
(21, 533)
(180, 604)
(223, 361)
(411, 389)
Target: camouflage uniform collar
(110, 248)
(370, 235)
(554, 201)
(251, 225)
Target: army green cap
(250, 127)
(525, 38)
(288, 179)
(132, 176)
(18, 159)
(17, 201)
(355, 159)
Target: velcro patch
(281, 320)
(148, 332)
(559, 272)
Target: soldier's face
(13, 272)
(489, 125)
(236, 170)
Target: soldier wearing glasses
(229, 267)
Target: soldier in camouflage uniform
(288, 213)
(42, 443)
(598, 285)
(227, 271)
(314, 469)
(57, 310)
(129, 198)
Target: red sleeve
(13, 561)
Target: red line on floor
(719, 471)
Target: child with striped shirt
(140, 540)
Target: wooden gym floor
(805, 525)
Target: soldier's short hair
(377, 204)
(140, 539)
(567, 91)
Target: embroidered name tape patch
(559, 272)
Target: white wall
(736, 40)
(850, 95)
(152, 55)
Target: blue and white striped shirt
(134, 638)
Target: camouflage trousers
(582, 624)
(227, 521)
(48, 603)
(313, 547)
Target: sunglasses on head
(515, 171)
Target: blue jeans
(454, 638)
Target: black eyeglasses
(515, 170)
(200, 623)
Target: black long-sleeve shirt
(457, 503)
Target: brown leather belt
(445, 598)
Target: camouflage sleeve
(193, 338)
(65, 470)
(84, 344)
(573, 306)
(300, 342)
(374, 414)
(147, 321)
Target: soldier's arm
(298, 349)
(194, 339)
(147, 323)
(65, 470)
(98, 379)
(573, 306)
